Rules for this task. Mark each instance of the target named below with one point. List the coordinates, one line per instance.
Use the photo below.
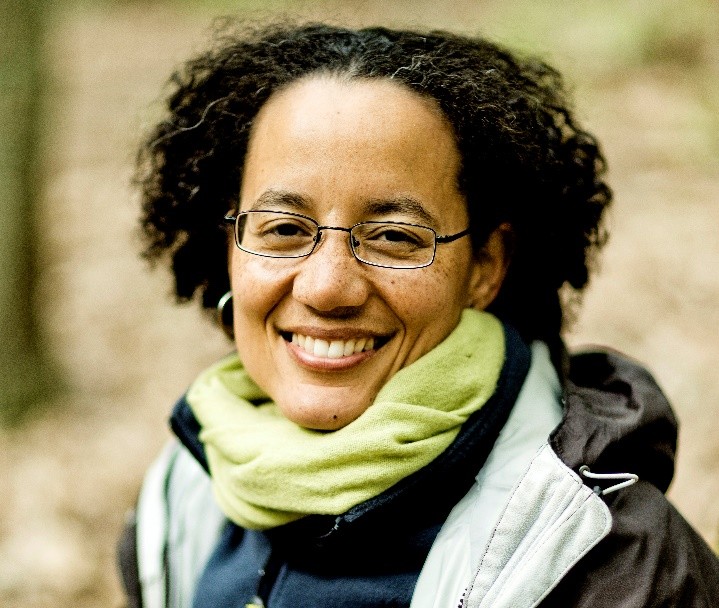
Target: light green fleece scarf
(268, 471)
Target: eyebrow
(404, 205)
(280, 198)
(293, 201)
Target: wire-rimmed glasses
(278, 234)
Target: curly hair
(524, 159)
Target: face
(344, 152)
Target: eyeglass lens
(281, 235)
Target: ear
(490, 267)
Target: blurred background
(94, 349)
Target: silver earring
(225, 316)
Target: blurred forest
(95, 351)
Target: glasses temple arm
(451, 237)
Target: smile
(333, 349)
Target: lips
(333, 349)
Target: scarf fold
(268, 471)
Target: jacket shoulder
(616, 418)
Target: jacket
(550, 536)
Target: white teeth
(321, 348)
(334, 349)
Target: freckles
(444, 271)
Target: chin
(324, 418)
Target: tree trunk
(25, 375)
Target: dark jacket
(617, 419)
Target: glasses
(276, 234)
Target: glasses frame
(233, 219)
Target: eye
(275, 234)
(285, 228)
(397, 235)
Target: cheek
(256, 290)
(429, 304)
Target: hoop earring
(225, 316)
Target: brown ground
(126, 352)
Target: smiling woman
(400, 423)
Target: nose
(331, 278)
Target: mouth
(335, 349)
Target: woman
(384, 220)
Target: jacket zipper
(268, 576)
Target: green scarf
(267, 471)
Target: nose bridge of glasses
(318, 237)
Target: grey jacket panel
(550, 522)
(178, 525)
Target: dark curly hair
(524, 159)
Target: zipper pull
(629, 479)
(320, 540)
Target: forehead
(363, 100)
(341, 141)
